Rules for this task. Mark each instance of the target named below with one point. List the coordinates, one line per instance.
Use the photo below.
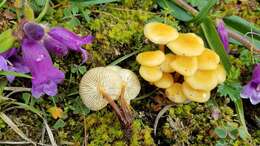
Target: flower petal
(223, 34)
(55, 46)
(33, 31)
(44, 74)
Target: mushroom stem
(162, 48)
(115, 107)
(125, 108)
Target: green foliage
(79, 108)
(247, 58)
(6, 40)
(59, 124)
(200, 4)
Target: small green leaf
(28, 12)
(214, 42)
(82, 69)
(59, 124)
(174, 10)
(11, 73)
(6, 40)
(79, 108)
(233, 133)
(221, 132)
(221, 142)
(26, 98)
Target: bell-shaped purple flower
(55, 47)
(45, 76)
(223, 34)
(9, 61)
(252, 89)
(33, 31)
(70, 40)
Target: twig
(21, 143)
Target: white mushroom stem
(125, 107)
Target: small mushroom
(184, 65)
(188, 44)
(95, 82)
(175, 94)
(165, 82)
(150, 74)
(195, 95)
(208, 60)
(160, 33)
(202, 80)
(151, 58)
(221, 74)
(165, 66)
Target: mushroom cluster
(199, 66)
(103, 85)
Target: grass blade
(214, 42)
(11, 73)
(53, 143)
(94, 2)
(10, 123)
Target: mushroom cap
(208, 60)
(202, 80)
(151, 58)
(93, 81)
(150, 74)
(195, 95)
(175, 93)
(221, 74)
(115, 68)
(165, 82)
(165, 66)
(188, 44)
(184, 65)
(160, 33)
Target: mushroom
(150, 74)
(202, 80)
(221, 74)
(208, 60)
(188, 44)
(184, 65)
(165, 66)
(175, 94)
(102, 85)
(151, 58)
(94, 83)
(195, 95)
(165, 82)
(160, 33)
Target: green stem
(2, 3)
(43, 12)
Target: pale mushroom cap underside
(94, 80)
(160, 33)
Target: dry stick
(231, 33)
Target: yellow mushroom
(150, 74)
(184, 65)
(151, 58)
(221, 74)
(165, 82)
(188, 44)
(165, 66)
(175, 94)
(208, 60)
(202, 80)
(160, 33)
(195, 95)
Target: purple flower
(55, 46)
(45, 76)
(69, 40)
(9, 61)
(223, 34)
(33, 31)
(252, 89)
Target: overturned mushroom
(195, 95)
(188, 44)
(102, 85)
(151, 58)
